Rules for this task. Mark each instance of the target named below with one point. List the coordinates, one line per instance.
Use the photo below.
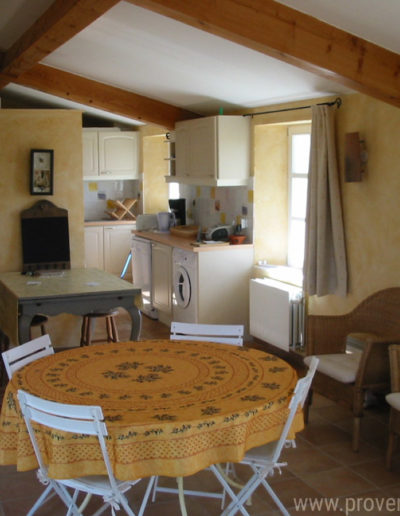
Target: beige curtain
(325, 269)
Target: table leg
(4, 346)
(24, 324)
(136, 318)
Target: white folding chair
(80, 419)
(264, 459)
(222, 333)
(24, 354)
(219, 333)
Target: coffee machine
(178, 207)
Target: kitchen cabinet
(161, 273)
(94, 247)
(107, 247)
(213, 151)
(110, 154)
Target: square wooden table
(73, 291)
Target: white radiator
(276, 313)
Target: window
(173, 191)
(299, 151)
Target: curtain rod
(337, 102)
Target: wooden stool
(39, 320)
(86, 332)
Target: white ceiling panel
(146, 53)
(138, 50)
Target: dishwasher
(141, 273)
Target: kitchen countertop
(108, 222)
(186, 243)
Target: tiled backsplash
(205, 206)
(211, 206)
(97, 193)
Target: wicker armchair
(345, 375)
(394, 401)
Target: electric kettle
(165, 220)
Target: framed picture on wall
(41, 179)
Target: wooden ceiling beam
(102, 96)
(62, 20)
(293, 37)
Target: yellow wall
(270, 193)
(155, 168)
(22, 130)
(371, 208)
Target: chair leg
(108, 329)
(83, 330)
(114, 331)
(90, 326)
(356, 433)
(392, 440)
(146, 496)
(390, 449)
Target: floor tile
(375, 472)
(338, 482)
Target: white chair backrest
(221, 333)
(79, 419)
(300, 393)
(24, 354)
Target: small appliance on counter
(165, 219)
(146, 221)
(178, 207)
(219, 233)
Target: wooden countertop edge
(186, 243)
(111, 222)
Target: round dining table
(172, 408)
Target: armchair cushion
(342, 367)
(394, 400)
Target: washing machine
(184, 296)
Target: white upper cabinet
(110, 154)
(90, 153)
(213, 151)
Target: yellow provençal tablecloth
(171, 407)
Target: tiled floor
(322, 469)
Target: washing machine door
(182, 287)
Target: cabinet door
(118, 154)
(196, 147)
(94, 247)
(117, 248)
(202, 148)
(90, 153)
(161, 271)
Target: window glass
(299, 197)
(299, 151)
(173, 190)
